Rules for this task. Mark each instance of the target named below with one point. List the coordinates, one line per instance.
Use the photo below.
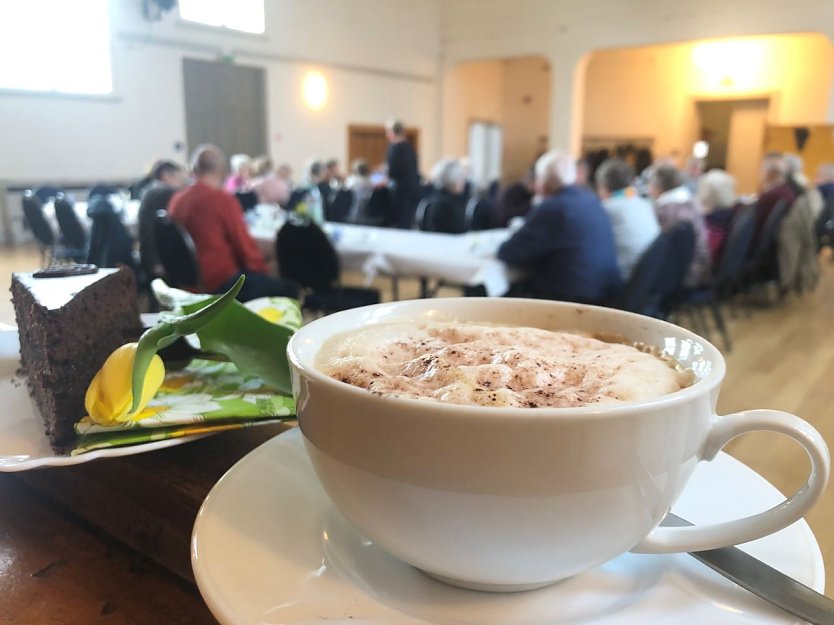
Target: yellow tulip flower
(109, 396)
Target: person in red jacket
(214, 219)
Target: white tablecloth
(467, 259)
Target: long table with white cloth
(461, 259)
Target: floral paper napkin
(204, 397)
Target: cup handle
(724, 429)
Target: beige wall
(375, 71)
(526, 113)
(513, 93)
(471, 92)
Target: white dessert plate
(23, 443)
(269, 548)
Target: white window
(243, 15)
(55, 45)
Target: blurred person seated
(825, 182)
(693, 170)
(333, 173)
(241, 167)
(717, 196)
(270, 189)
(673, 204)
(360, 184)
(284, 172)
(774, 188)
(633, 219)
(797, 240)
(515, 200)
(225, 249)
(262, 166)
(566, 244)
(167, 177)
(448, 207)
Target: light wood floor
(783, 358)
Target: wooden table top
(108, 541)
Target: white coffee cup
(516, 498)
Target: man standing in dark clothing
(566, 245)
(403, 174)
(168, 178)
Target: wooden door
(746, 143)
(225, 105)
(368, 142)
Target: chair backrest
(36, 220)
(102, 189)
(823, 226)
(736, 249)
(305, 254)
(424, 217)
(479, 214)
(74, 233)
(248, 199)
(339, 208)
(177, 253)
(657, 278)
(763, 253)
(378, 210)
(110, 242)
(47, 192)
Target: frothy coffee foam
(470, 363)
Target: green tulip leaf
(252, 343)
(172, 327)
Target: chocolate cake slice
(68, 325)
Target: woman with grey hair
(797, 242)
(673, 204)
(446, 208)
(717, 195)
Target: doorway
(368, 142)
(485, 151)
(225, 105)
(735, 131)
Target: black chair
(110, 243)
(824, 226)
(248, 199)
(339, 208)
(177, 254)
(479, 214)
(306, 256)
(424, 217)
(762, 267)
(378, 210)
(727, 276)
(102, 189)
(37, 223)
(46, 193)
(655, 286)
(73, 233)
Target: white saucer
(269, 548)
(23, 443)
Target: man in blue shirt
(566, 245)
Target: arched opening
(743, 96)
